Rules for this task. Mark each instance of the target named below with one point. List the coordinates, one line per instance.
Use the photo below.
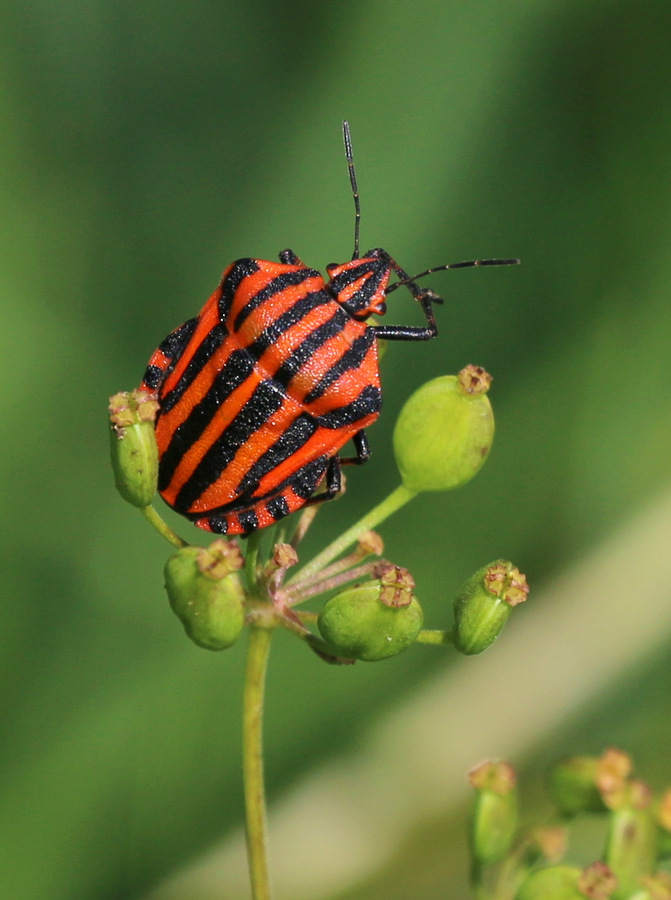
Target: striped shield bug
(259, 393)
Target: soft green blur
(147, 145)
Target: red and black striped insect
(261, 391)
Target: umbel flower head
(590, 783)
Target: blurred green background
(145, 146)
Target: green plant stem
(398, 498)
(162, 527)
(435, 636)
(251, 559)
(252, 759)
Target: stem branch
(162, 527)
(398, 498)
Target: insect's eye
(331, 267)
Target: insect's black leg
(289, 258)
(334, 473)
(424, 296)
(412, 332)
(333, 483)
(360, 441)
(333, 478)
(408, 281)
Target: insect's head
(360, 285)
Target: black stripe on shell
(266, 399)
(287, 319)
(276, 286)
(373, 272)
(209, 345)
(308, 347)
(278, 507)
(172, 348)
(240, 269)
(238, 368)
(368, 402)
(351, 359)
(248, 521)
(292, 439)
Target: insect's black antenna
(355, 189)
(459, 265)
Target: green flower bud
(631, 846)
(133, 446)
(573, 785)
(375, 620)
(206, 593)
(445, 431)
(596, 882)
(483, 605)
(494, 821)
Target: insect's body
(260, 392)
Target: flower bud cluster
(529, 866)
(442, 438)
(562, 882)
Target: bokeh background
(145, 146)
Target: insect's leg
(412, 332)
(424, 296)
(334, 473)
(161, 363)
(333, 483)
(360, 441)
(289, 258)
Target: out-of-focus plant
(513, 863)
